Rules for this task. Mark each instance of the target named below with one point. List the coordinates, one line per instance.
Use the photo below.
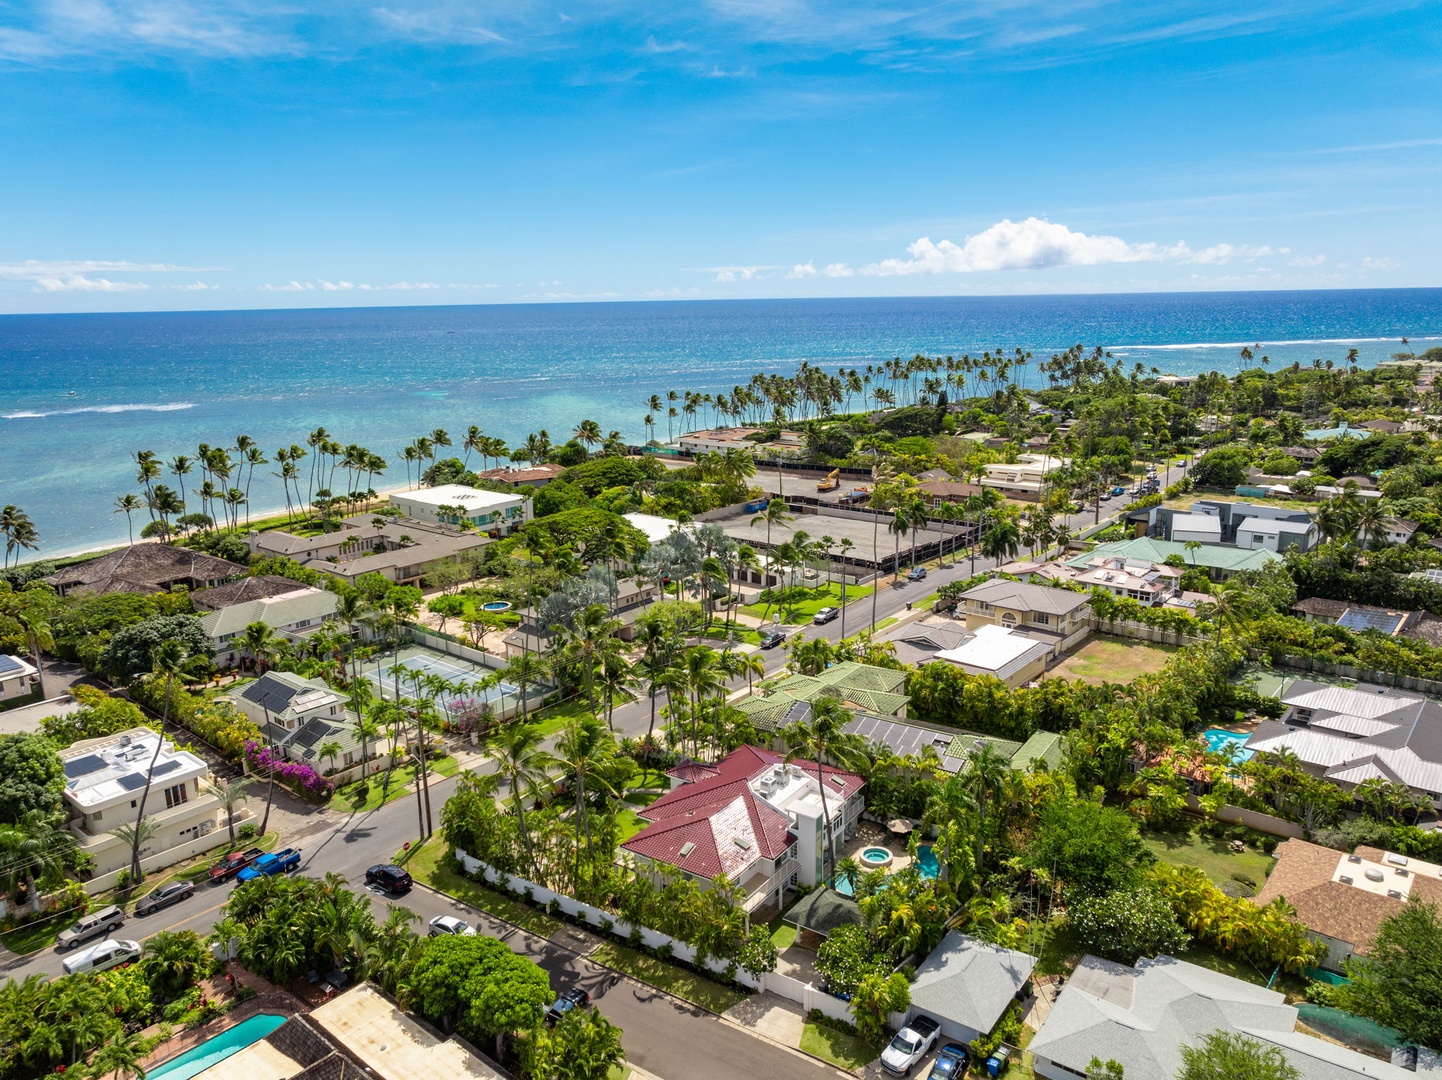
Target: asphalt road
(664, 1036)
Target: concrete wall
(159, 861)
(1252, 819)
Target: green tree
(231, 793)
(1128, 923)
(174, 960)
(875, 997)
(583, 1045)
(823, 738)
(31, 776)
(131, 650)
(1226, 1055)
(1399, 983)
(1092, 848)
(478, 987)
(520, 755)
(38, 851)
(167, 663)
(1104, 1070)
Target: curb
(639, 982)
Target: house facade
(17, 677)
(293, 615)
(1024, 478)
(1054, 615)
(299, 716)
(753, 817)
(104, 781)
(495, 513)
(398, 549)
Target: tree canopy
(1224, 1055)
(1399, 983)
(131, 651)
(31, 776)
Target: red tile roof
(719, 813)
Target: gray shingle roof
(1025, 597)
(969, 981)
(144, 568)
(302, 603)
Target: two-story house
(104, 781)
(1130, 579)
(299, 716)
(293, 615)
(400, 550)
(1053, 615)
(494, 512)
(753, 817)
(1024, 478)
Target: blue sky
(166, 154)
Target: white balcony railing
(760, 890)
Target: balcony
(759, 888)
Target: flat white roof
(392, 1044)
(995, 648)
(656, 528)
(1206, 523)
(458, 495)
(100, 771)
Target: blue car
(278, 862)
(950, 1063)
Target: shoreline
(101, 548)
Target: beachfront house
(752, 817)
(145, 568)
(398, 549)
(495, 513)
(104, 780)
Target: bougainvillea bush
(300, 778)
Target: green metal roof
(1044, 746)
(964, 741)
(1211, 556)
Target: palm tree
(36, 847)
(588, 434)
(1002, 540)
(585, 749)
(36, 628)
(259, 641)
(1193, 546)
(775, 513)
(330, 750)
(901, 523)
(167, 663)
(521, 757)
(127, 504)
(137, 834)
(19, 532)
(822, 737)
(234, 792)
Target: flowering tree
(295, 775)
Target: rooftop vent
(1373, 874)
(1396, 860)
(1395, 894)
(1400, 872)
(125, 740)
(741, 842)
(686, 849)
(1345, 880)
(1354, 858)
(837, 781)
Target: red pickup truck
(234, 863)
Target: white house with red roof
(752, 816)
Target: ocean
(80, 393)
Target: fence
(1128, 629)
(169, 857)
(1252, 819)
(1350, 671)
(794, 990)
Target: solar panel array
(9, 664)
(1356, 619)
(84, 766)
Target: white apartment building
(1025, 478)
(489, 511)
(104, 781)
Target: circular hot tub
(497, 605)
(874, 858)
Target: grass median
(839, 1048)
(430, 864)
(672, 978)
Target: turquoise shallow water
(199, 1058)
(381, 376)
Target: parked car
(389, 878)
(96, 924)
(234, 862)
(449, 924)
(825, 615)
(164, 896)
(950, 1063)
(916, 573)
(1119, 491)
(912, 1043)
(110, 953)
(571, 998)
(277, 862)
(772, 638)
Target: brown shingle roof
(1303, 877)
(1321, 607)
(950, 490)
(144, 568)
(243, 591)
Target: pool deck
(269, 998)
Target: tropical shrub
(1265, 935)
(297, 776)
(847, 957)
(1128, 923)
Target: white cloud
(1369, 263)
(195, 286)
(1309, 260)
(336, 286)
(81, 283)
(293, 286)
(739, 273)
(808, 270)
(351, 286)
(1035, 244)
(35, 269)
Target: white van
(112, 952)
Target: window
(175, 795)
(1040, 618)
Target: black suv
(772, 639)
(390, 878)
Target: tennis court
(462, 676)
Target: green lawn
(837, 1047)
(802, 603)
(650, 778)
(1114, 660)
(426, 864)
(783, 935)
(672, 978)
(201, 870)
(555, 717)
(642, 798)
(1061, 949)
(630, 824)
(741, 634)
(372, 792)
(1214, 857)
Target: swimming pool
(215, 1050)
(926, 865)
(1231, 743)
